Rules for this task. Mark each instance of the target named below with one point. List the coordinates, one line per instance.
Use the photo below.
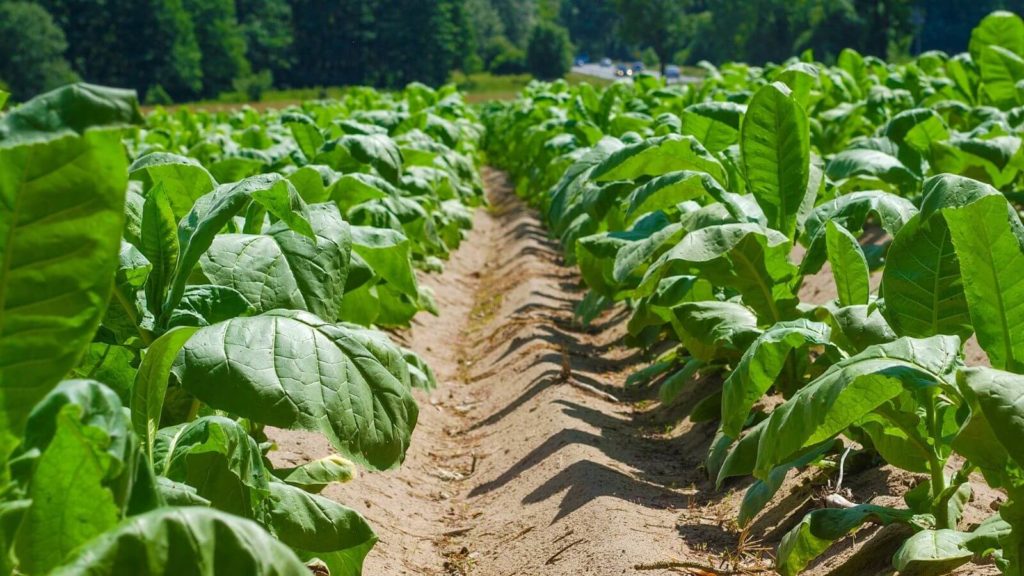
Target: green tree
(221, 41)
(267, 26)
(653, 23)
(517, 17)
(31, 50)
(333, 42)
(132, 43)
(549, 53)
(592, 26)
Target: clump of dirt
(532, 457)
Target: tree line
(187, 49)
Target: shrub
(549, 53)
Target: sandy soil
(532, 458)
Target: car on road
(623, 71)
(672, 72)
(606, 62)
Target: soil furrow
(522, 461)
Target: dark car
(622, 70)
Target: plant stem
(936, 466)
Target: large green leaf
(819, 529)
(851, 389)
(1001, 70)
(713, 330)
(317, 527)
(150, 385)
(284, 269)
(195, 541)
(293, 370)
(989, 241)
(159, 244)
(70, 504)
(666, 191)
(1000, 396)
(852, 211)
(69, 111)
(750, 259)
(775, 148)
(215, 456)
(212, 212)
(1000, 28)
(849, 267)
(761, 365)
(184, 180)
(657, 156)
(387, 253)
(936, 552)
(921, 284)
(63, 176)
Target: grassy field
(480, 87)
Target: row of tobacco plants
(703, 208)
(170, 286)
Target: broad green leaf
(421, 375)
(387, 253)
(100, 407)
(316, 475)
(715, 124)
(111, 364)
(151, 384)
(1001, 70)
(217, 457)
(69, 112)
(666, 191)
(657, 156)
(159, 244)
(195, 541)
(61, 215)
(309, 182)
(872, 163)
(1000, 28)
(854, 328)
(849, 390)
(284, 269)
(936, 552)
(750, 259)
(988, 238)
(775, 147)
(4, 95)
(307, 137)
(921, 283)
(712, 330)
(761, 366)
(207, 304)
(1000, 395)
(633, 259)
(212, 212)
(353, 189)
(819, 529)
(852, 211)
(317, 527)
(293, 370)
(183, 180)
(70, 504)
(849, 268)
(179, 494)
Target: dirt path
(522, 463)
